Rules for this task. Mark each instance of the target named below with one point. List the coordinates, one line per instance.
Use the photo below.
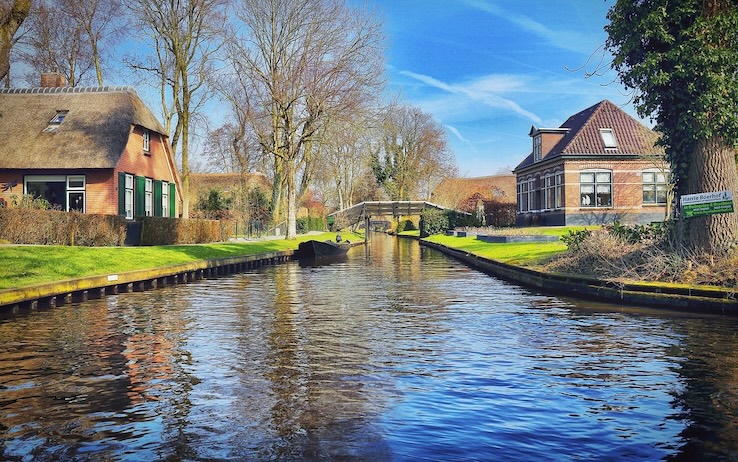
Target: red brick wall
(627, 185)
(100, 185)
(548, 141)
(154, 164)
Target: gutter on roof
(548, 161)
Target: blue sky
(489, 69)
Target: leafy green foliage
(29, 201)
(457, 219)
(633, 234)
(574, 239)
(305, 224)
(405, 225)
(680, 57)
(433, 222)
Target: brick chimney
(53, 79)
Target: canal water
(396, 353)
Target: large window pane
(587, 178)
(654, 188)
(596, 189)
(603, 177)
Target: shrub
(457, 219)
(53, 227)
(405, 225)
(633, 234)
(433, 222)
(168, 231)
(500, 214)
(306, 224)
(574, 239)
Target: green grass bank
(28, 265)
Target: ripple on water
(396, 354)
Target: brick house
(97, 150)
(599, 166)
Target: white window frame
(77, 190)
(129, 196)
(146, 140)
(598, 186)
(655, 183)
(549, 192)
(537, 142)
(559, 187)
(531, 197)
(164, 199)
(608, 138)
(523, 203)
(149, 197)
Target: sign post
(696, 205)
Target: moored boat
(321, 249)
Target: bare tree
(306, 62)
(12, 15)
(103, 22)
(184, 35)
(346, 163)
(56, 42)
(231, 149)
(413, 156)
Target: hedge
(52, 227)
(167, 231)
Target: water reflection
(394, 353)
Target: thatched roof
(202, 182)
(452, 192)
(93, 134)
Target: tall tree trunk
(291, 206)
(713, 169)
(16, 14)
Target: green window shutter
(172, 200)
(121, 193)
(158, 209)
(139, 203)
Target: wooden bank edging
(707, 300)
(61, 292)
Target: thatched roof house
(98, 150)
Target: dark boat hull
(321, 249)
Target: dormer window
(608, 138)
(146, 140)
(536, 148)
(56, 121)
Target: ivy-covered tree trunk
(713, 168)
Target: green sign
(695, 205)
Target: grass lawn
(514, 253)
(30, 265)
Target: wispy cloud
(564, 39)
(484, 91)
(458, 134)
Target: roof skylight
(56, 121)
(608, 137)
